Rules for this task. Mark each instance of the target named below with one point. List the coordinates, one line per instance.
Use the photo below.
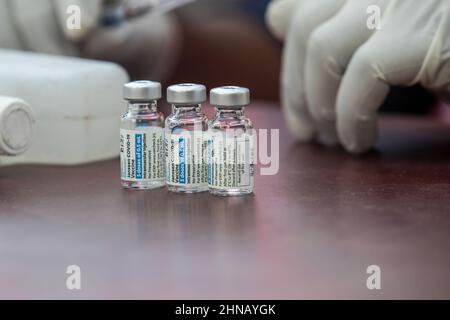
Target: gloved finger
(395, 55)
(362, 91)
(330, 48)
(278, 17)
(307, 17)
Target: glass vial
(142, 137)
(230, 143)
(185, 143)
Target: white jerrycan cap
(16, 126)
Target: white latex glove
(144, 40)
(336, 72)
(41, 25)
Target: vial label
(186, 159)
(230, 161)
(141, 153)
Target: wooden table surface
(308, 232)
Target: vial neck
(186, 110)
(230, 113)
(143, 107)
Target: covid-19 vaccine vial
(142, 137)
(230, 143)
(185, 139)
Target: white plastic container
(77, 104)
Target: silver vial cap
(230, 97)
(186, 94)
(142, 91)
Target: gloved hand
(146, 43)
(337, 72)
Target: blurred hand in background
(125, 32)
